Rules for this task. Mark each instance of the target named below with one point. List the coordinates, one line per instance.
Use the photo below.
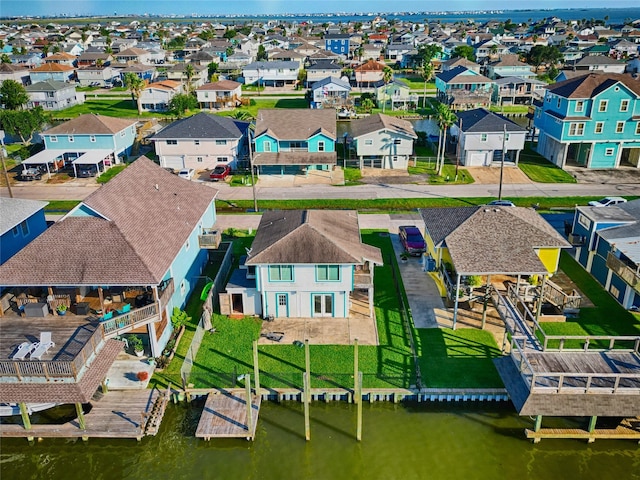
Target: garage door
(173, 162)
(474, 159)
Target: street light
(253, 183)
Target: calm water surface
(399, 442)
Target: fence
(207, 310)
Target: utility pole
(458, 150)
(4, 165)
(253, 182)
(504, 139)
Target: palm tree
(135, 85)
(445, 118)
(426, 71)
(189, 72)
(387, 76)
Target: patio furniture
(124, 309)
(107, 316)
(82, 308)
(43, 345)
(24, 349)
(275, 336)
(36, 309)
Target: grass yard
(109, 174)
(266, 102)
(111, 108)
(426, 166)
(541, 170)
(416, 83)
(61, 205)
(352, 176)
(226, 354)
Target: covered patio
(51, 159)
(95, 158)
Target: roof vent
(496, 210)
(156, 187)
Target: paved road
(78, 192)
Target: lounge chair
(275, 336)
(124, 309)
(43, 345)
(107, 316)
(24, 349)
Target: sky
(222, 7)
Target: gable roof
(48, 86)
(370, 66)
(52, 67)
(91, 124)
(324, 65)
(481, 120)
(327, 80)
(462, 75)
(202, 126)
(486, 240)
(164, 85)
(14, 211)
(146, 216)
(296, 123)
(222, 85)
(379, 121)
(328, 237)
(592, 84)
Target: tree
(445, 118)
(230, 33)
(182, 102)
(465, 51)
(426, 53)
(135, 85)
(23, 123)
(367, 105)
(426, 72)
(13, 95)
(540, 54)
(262, 53)
(4, 58)
(189, 72)
(387, 76)
(212, 68)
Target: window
(53, 139)
(576, 129)
(599, 127)
(602, 107)
(584, 221)
(397, 141)
(123, 133)
(506, 137)
(221, 159)
(15, 231)
(559, 102)
(321, 146)
(483, 137)
(619, 127)
(70, 138)
(280, 273)
(199, 159)
(328, 273)
(172, 142)
(580, 106)
(221, 142)
(637, 128)
(608, 152)
(267, 146)
(25, 228)
(368, 141)
(624, 105)
(196, 142)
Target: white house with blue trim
(304, 263)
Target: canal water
(404, 441)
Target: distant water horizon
(614, 16)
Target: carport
(46, 157)
(93, 157)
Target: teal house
(295, 141)
(592, 121)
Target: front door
(322, 305)
(282, 305)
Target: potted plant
(136, 343)
(404, 256)
(142, 375)
(61, 309)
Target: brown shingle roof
(371, 66)
(295, 158)
(91, 124)
(296, 123)
(373, 123)
(310, 237)
(222, 85)
(52, 67)
(587, 86)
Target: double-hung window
(280, 273)
(328, 273)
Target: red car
(220, 173)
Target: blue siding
(260, 143)
(11, 243)
(329, 143)
(120, 142)
(620, 285)
(599, 269)
(84, 211)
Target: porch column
(484, 303)
(81, 421)
(24, 412)
(153, 342)
(370, 292)
(590, 157)
(101, 297)
(607, 282)
(564, 155)
(455, 308)
(517, 156)
(541, 297)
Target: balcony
(362, 279)
(210, 238)
(130, 320)
(165, 291)
(577, 240)
(628, 273)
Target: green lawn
(509, 108)
(416, 83)
(352, 176)
(109, 174)
(61, 205)
(258, 103)
(541, 170)
(111, 108)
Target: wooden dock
(628, 429)
(225, 415)
(118, 414)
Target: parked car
(412, 240)
(86, 171)
(501, 203)
(187, 173)
(29, 174)
(220, 173)
(607, 202)
(170, 170)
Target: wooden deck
(225, 416)
(118, 414)
(629, 429)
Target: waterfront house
(92, 59)
(482, 139)
(277, 74)
(591, 121)
(61, 58)
(461, 88)
(133, 55)
(596, 63)
(202, 142)
(517, 91)
(53, 95)
(52, 71)
(331, 92)
(337, 43)
(91, 75)
(21, 221)
(156, 96)
(291, 141)
(606, 245)
(144, 72)
(509, 66)
(460, 62)
(303, 264)
(116, 268)
(369, 73)
(381, 141)
(395, 95)
(178, 73)
(320, 70)
(221, 94)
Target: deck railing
(554, 294)
(165, 291)
(134, 318)
(624, 271)
(210, 238)
(70, 370)
(362, 279)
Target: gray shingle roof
(589, 85)
(13, 211)
(379, 121)
(202, 126)
(296, 123)
(482, 120)
(48, 86)
(310, 237)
